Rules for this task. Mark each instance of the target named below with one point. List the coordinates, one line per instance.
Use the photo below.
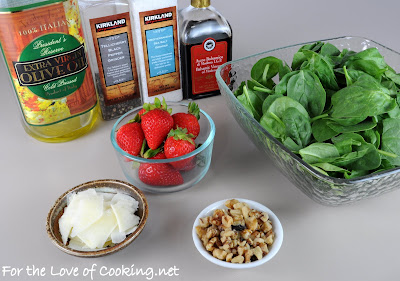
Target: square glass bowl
(321, 188)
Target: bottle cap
(200, 3)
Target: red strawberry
(188, 120)
(160, 174)
(179, 143)
(130, 138)
(156, 125)
(138, 116)
(190, 165)
(141, 112)
(159, 155)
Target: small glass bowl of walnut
(237, 233)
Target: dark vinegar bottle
(205, 44)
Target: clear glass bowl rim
(305, 165)
(207, 142)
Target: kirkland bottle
(205, 44)
(155, 28)
(107, 29)
(43, 47)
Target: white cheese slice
(107, 205)
(77, 244)
(125, 216)
(107, 196)
(66, 221)
(65, 226)
(126, 200)
(96, 235)
(89, 210)
(70, 198)
(131, 230)
(117, 236)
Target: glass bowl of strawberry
(164, 147)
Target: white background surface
(355, 242)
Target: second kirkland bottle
(205, 44)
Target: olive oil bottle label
(45, 54)
(160, 47)
(112, 38)
(205, 59)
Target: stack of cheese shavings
(94, 220)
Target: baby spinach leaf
(291, 144)
(274, 125)
(372, 137)
(260, 95)
(323, 67)
(272, 118)
(279, 106)
(343, 57)
(348, 121)
(349, 80)
(299, 58)
(247, 105)
(321, 131)
(395, 113)
(264, 90)
(281, 87)
(366, 97)
(345, 142)
(298, 126)
(306, 88)
(370, 61)
(329, 167)
(329, 50)
(348, 158)
(252, 102)
(346, 146)
(366, 125)
(391, 139)
(378, 139)
(265, 69)
(268, 101)
(252, 84)
(351, 74)
(355, 174)
(392, 76)
(319, 153)
(239, 90)
(283, 70)
(360, 154)
(320, 170)
(370, 161)
(385, 165)
(315, 47)
(391, 86)
(348, 136)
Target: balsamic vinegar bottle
(205, 44)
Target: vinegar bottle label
(205, 59)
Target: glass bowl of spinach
(326, 113)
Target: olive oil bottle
(43, 47)
(205, 44)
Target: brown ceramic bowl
(110, 186)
